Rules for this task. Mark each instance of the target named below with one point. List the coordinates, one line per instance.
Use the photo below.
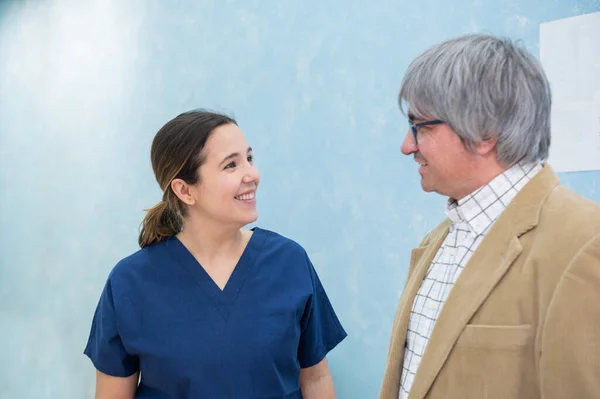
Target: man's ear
(485, 147)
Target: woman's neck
(210, 241)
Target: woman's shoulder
(132, 266)
(275, 239)
(277, 247)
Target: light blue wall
(84, 85)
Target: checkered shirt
(471, 217)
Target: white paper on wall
(570, 54)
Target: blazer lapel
(420, 260)
(484, 270)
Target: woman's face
(226, 191)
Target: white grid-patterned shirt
(471, 219)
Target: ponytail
(160, 223)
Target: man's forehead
(416, 114)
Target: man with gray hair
(502, 299)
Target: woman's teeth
(245, 197)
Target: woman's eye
(250, 158)
(230, 165)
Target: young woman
(207, 309)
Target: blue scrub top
(160, 313)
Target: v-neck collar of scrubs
(222, 299)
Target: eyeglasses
(414, 127)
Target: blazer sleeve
(570, 350)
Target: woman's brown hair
(176, 153)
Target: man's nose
(409, 146)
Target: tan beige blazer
(523, 319)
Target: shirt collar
(480, 209)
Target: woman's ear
(183, 191)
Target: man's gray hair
(483, 87)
